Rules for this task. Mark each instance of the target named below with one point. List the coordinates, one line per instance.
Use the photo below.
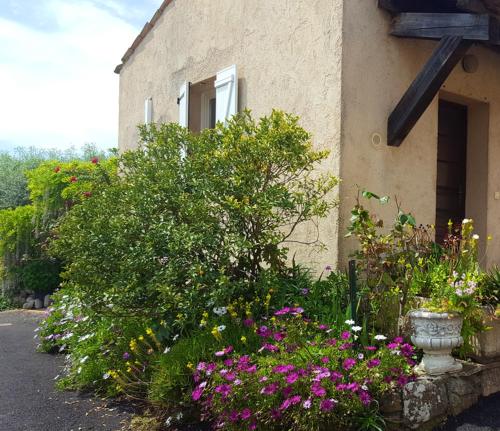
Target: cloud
(57, 87)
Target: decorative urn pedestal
(437, 334)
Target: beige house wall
(377, 69)
(288, 54)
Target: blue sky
(57, 86)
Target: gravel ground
(28, 399)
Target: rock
(29, 304)
(47, 300)
(38, 304)
(30, 298)
(424, 400)
(490, 379)
(463, 392)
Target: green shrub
(170, 235)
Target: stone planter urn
(437, 334)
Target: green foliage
(4, 303)
(13, 183)
(490, 287)
(16, 231)
(170, 235)
(39, 275)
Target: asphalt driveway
(28, 399)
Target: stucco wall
(288, 55)
(377, 70)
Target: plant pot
(437, 334)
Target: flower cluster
(301, 375)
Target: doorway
(451, 167)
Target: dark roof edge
(146, 29)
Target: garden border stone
(429, 400)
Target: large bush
(172, 235)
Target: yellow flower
(243, 339)
(133, 344)
(273, 319)
(205, 315)
(190, 365)
(129, 370)
(149, 331)
(141, 338)
(489, 238)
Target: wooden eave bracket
(424, 88)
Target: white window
(203, 104)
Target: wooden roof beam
(424, 88)
(439, 25)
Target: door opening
(451, 167)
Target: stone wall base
(428, 401)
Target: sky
(57, 85)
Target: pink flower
(245, 414)
(372, 363)
(270, 347)
(226, 351)
(323, 327)
(325, 359)
(224, 390)
(233, 416)
(370, 348)
(279, 336)
(335, 375)
(230, 376)
(349, 363)
(346, 346)
(392, 346)
(327, 405)
(283, 311)
(307, 403)
(398, 340)
(345, 335)
(292, 378)
(95, 160)
(318, 390)
(283, 369)
(270, 389)
(264, 332)
(228, 362)
(126, 355)
(365, 398)
(197, 392)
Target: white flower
(475, 236)
(364, 387)
(350, 322)
(221, 328)
(220, 311)
(106, 376)
(84, 359)
(167, 349)
(179, 416)
(174, 338)
(168, 422)
(395, 352)
(380, 337)
(79, 370)
(466, 220)
(356, 328)
(361, 356)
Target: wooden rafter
(439, 25)
(419, 95)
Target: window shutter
(148, 111)
(226, 94)
(183, 102)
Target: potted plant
(451, 314)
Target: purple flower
(197, 392)
(335, 375)
(327, 405)
(228, 362)
(346, 346)
(407, 350)
(287, 390)
(264, 332)
(325, 359)
(270, 389)
(292, 378)
(331, 342)
(328, 268)
(318, 390)
(283, 311)
(398, 340)
(279, 336)
(270, 347)
(370, 348)
(392, 346)
(224, 390)
(248, 322)
(201, 366)
(233, 416)
(304, 291)
(283, 369)
(372, 363)
(251, 369)
(290, 402)
(365, 398)
(230, 376)
(349, 363)
(245, 414)
(353, 387)
(307, 403)
(345, 335)
(323, 327)
(296, 310)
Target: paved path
(484, 416)
(28, 399)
